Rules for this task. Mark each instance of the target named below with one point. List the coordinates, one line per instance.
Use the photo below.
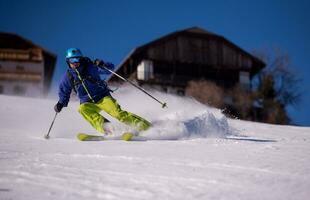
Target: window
(20, 68)
(145, 70)
(181, 92)
(244, 77)
(19, 90)
(165, 89)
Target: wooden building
(26, 69)
(170, 62)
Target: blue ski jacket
(88, 84)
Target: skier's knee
(81, 108)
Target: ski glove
(58, 107)
(109, 65)
(101, 63)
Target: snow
(192, 152)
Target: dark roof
(14, 41)
(193, 31)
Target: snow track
(192, 152)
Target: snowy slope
(193, 152)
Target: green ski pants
(91, 112)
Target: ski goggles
(74, 60)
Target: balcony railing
(15, 76)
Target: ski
(125, 136)
(87, 137)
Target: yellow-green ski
(86, 137)
(127, 136)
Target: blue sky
(109, 29)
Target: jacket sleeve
(64, 92)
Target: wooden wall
(201, 51)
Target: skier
(83, 76)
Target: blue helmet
(73, 52)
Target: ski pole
(163, 104)
(47, 136)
